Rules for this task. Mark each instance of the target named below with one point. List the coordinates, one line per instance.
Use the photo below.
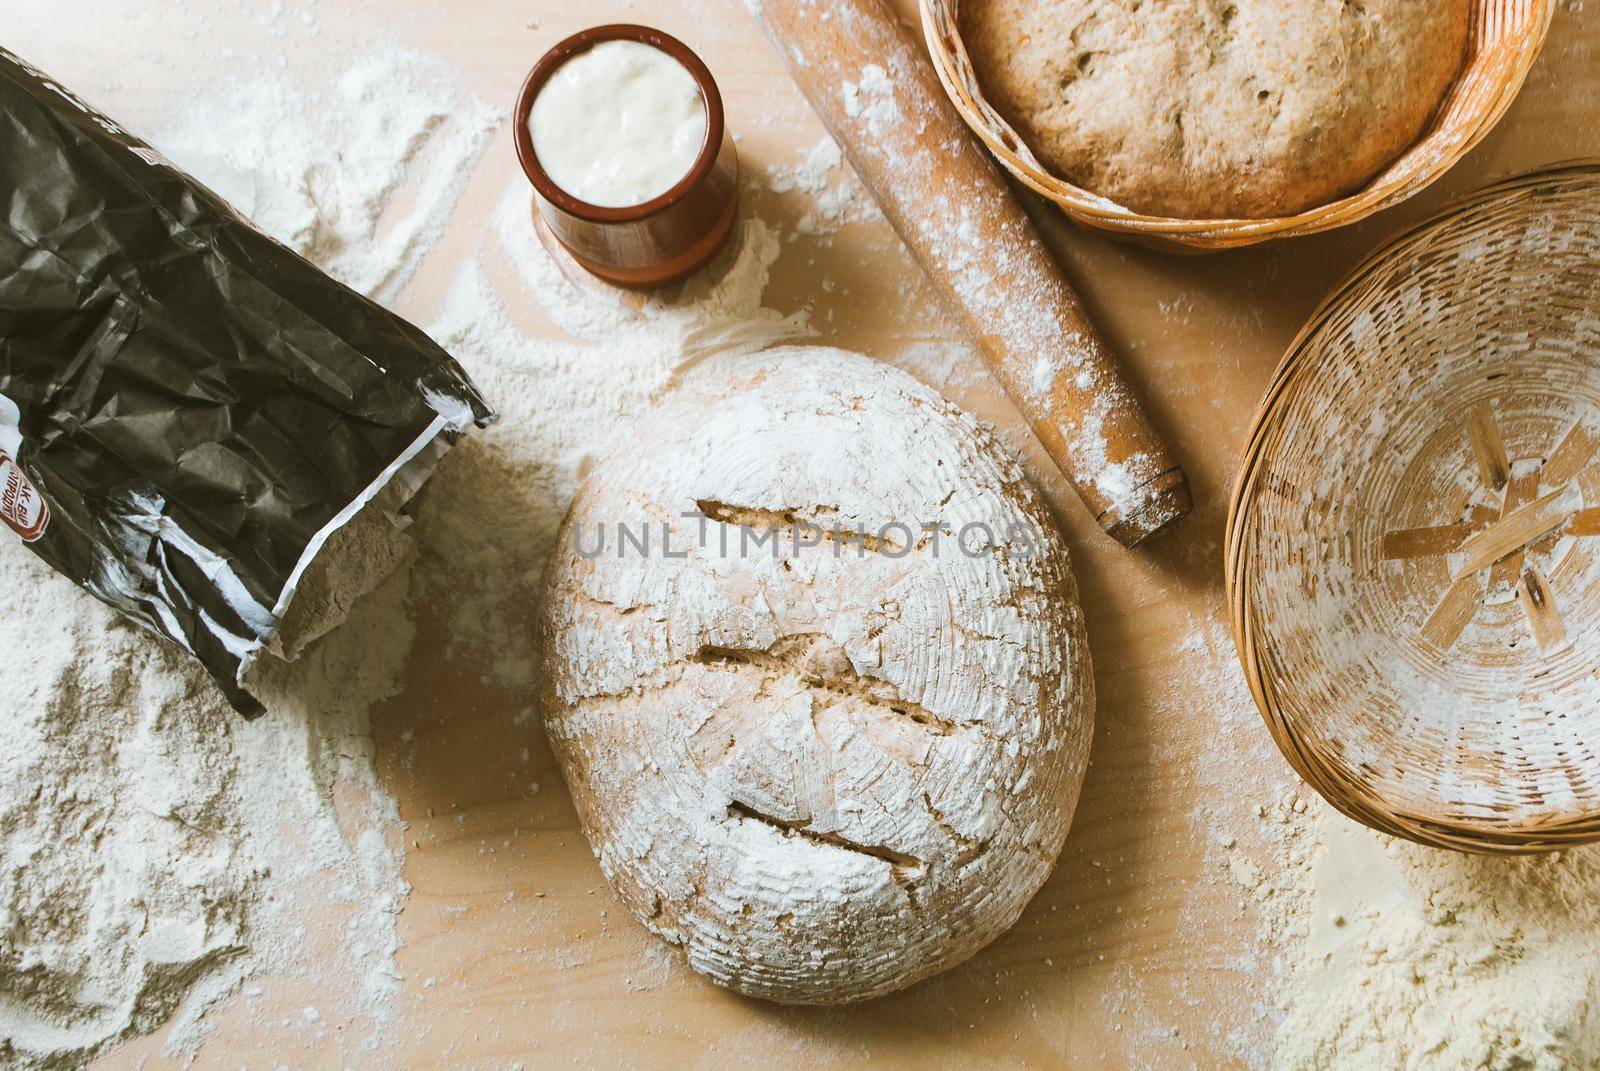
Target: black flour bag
(188, 410)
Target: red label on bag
(21, 505)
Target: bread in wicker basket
(1503, 42)
(1413, 545)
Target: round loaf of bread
(813, 665)
(1211, 109)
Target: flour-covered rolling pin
(878, 95)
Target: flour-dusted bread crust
(828, 772)
(1205, 109)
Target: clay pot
(661, 240)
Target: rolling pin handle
(1152, 508)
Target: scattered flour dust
(386, 139)
(837, 196)
(156, 850)
(1401, 956)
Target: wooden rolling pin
(879, 97)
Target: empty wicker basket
(1413, 545)
(1503, 43)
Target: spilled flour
(359, 177)
(1401, 956)
(837, 197)
(1378, 954)
(155, 849)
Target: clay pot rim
(565, 50)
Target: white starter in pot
(618, 124)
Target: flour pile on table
(1404, 956)
(154, 846)
(1378, 953)
(155, 849)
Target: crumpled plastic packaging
(188, 409)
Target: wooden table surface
(1139, 951)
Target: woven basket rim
(1546, 833)
(958, 76)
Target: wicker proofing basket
(1503, 42)
(1413, 545)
